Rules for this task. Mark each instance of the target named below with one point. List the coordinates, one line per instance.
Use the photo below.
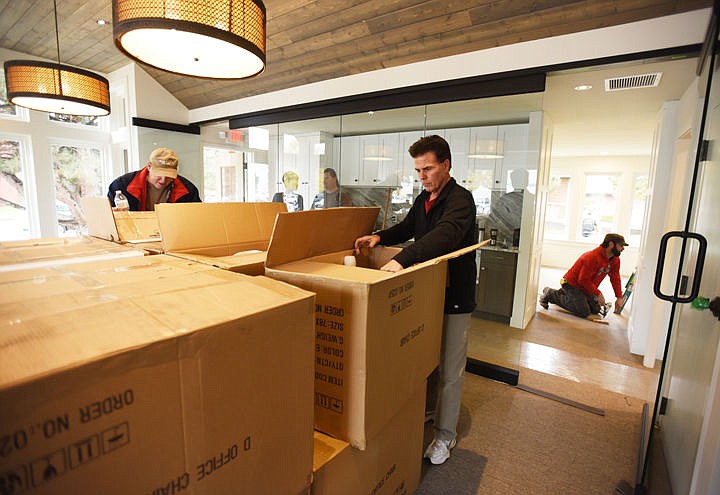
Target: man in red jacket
(157, 182)
(579, 293)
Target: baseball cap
(164, 162)
(616, 238)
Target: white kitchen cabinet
(406, 164)
(349, 171)
(379, 159)
(515, 139)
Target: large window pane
(223, 175)
(14, 215)
(78, 171)
(599, 207)
(557, 209)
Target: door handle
(699, 263)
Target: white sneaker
(439, 450)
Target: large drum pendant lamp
(217, 39)
(57, 88)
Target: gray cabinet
(496, 282)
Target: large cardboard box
(48, 290)
(377, 334)
(391, 464)
(200, 389)
(133, 227)
(231, 236)
(56, 251)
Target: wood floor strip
(564, 400)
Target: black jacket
(448, 226)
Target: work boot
(544, 298)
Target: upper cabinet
(368, 160)
(482, 156)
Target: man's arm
(458, 216)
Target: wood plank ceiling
(315, 40)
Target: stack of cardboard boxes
(154, 375)
(377, 338)
(167, 373)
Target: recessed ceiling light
(102, 22)
(583, 87)
(371, 112)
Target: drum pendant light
(57, 88)
(215, 39)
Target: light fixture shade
(378, 153)
(51, 87)
(217, 39)
(486, 149)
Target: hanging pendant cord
(57, 35)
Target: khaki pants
(445, 383)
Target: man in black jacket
(442, 220)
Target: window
(81, 120)
(7, 109)
(15, 219)
(223, 175)
(599, 207)
(556, 212)
(78, 171)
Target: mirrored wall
(362, 160)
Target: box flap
(137, 226)
(450, 256)
(224, 228)
(99, 218)
(305, 234)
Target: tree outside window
(78, 172)
(6, 108)
(556, 212)
(599, 207)
(14, 216)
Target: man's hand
(601, 299)
(391, 266)
(618, 306)
(367, 241)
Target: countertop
(488, 247)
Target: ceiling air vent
(633, 82)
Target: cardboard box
(391, 464)
(133, 227)
(49, 290)
(231, 236)
(21, 255)
(378, 333)
(204, 389)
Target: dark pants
(574, 300)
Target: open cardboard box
(205, 387)
(390, 465)
(377, 333)
(56, 251)
(231, 236)
(133, 227)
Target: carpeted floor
(514, 442)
